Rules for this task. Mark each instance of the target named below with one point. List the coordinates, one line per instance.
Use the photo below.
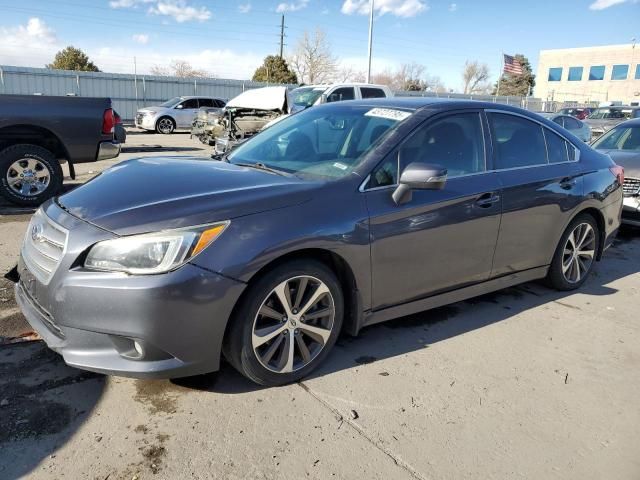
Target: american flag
(512, 66)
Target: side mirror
(179, 107)
(419, 176)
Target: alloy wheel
(28, 177)
(293, 324)
(579, 252)
(165, 125)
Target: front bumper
(145, 122)
(631, 210)
(92, 319)
(107, 150)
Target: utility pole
(370, 39)
(281, 36)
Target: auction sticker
(388, 113)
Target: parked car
(309, 95)
(622, 144)
(244, 116)
(203, 124)
(578, 112)
(336, 218)
(604, 118)
(177, 112)
(39, 133)
(575, 126)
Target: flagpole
(500, 75)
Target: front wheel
(286, 324)
(165, 125)
(576, 254)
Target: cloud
(292, 6)
(36, 31)
(399, 8)
(244, 8)
(453, 7)
(141, 38)
(128, 3)
(180, 11)
(602, 4)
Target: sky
(230, 38)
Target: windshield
(620, 138)
(306, 96)
(321, 142)
(604, 113)
(171, 103)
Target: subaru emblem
(36, 233)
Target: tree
(409, 77)
(312, 60)
(275, 69)
(72, 58)
(519, 85)
(475, 76)
(179, 68)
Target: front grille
(139, 118)
(631, 186)
(43, 246)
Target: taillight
(108, 121)
(618, 172)
(118, 118)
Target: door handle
(486, 200)
(568, 183)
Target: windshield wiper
(263, 167)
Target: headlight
(149, 112)
(152, 252)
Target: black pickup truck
(40, 133)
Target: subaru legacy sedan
(336, 218)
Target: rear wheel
(576, 254)
(287, 323)
(165, 125)
(29, 174)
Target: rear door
(440, 239)
(541, 187)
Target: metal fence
(128, 92)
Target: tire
(41, 174)
(268, 362)
(569, 271)
(165, 125)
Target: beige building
(591, 74)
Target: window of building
(575, 74)
(555, 74)
(638, 72)
(596, 72)
(620, 72)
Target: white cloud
(602, 4)
(399, 8)
(141, 38)
(127, 3)
(453, 7)
(36, 32)
(180, 11)
(33, 44)
(292, 6)
(244, 8)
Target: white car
(179, 112)
(309, 95)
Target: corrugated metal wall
(128, 92)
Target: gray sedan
(575, 126)
(338, 217)
(622, 144)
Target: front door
(186, 114)
(440, 239)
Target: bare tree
(179, 68)
(475, 77)
(312, 59)
(409, 76)
(347, 73)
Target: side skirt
(453, 296)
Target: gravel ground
(523, 383)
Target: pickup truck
(40, 133)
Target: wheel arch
(166, 115)
(599, 218)
(337, 264)
(34, 135)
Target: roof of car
(633, 122)
(346, 84)
(188, 97)
(418, 103)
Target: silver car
(179, 112)
(575, 126)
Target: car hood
(151, 194)
(630, 161)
